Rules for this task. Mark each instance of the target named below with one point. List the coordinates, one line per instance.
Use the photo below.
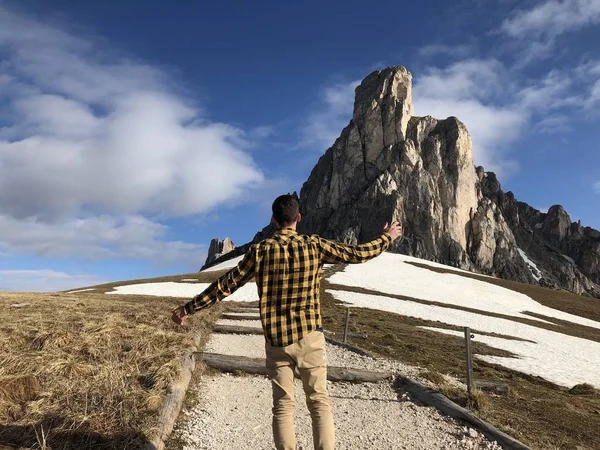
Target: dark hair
(286, 208)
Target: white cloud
(552, 18)
(496, 105)
(554, 124)
(325, 124)
(494, 102)
(597, 187)
(593, 100)
(44, 280)
(96, 237)
(92, 143)
(469, 90)
(99, 132)
(534, 31)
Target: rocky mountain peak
(556, 224)
(218, 248)
(388, 164)
(383, 107)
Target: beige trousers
(308, 355)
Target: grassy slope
(92, 368)
(88, 370)
(537, 412)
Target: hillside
(545, 344)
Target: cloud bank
(97, 148)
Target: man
(287, 269)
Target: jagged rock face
(265, 233)
(367, 145)
(556, 225)
(567, 254)
(218, 248)
(419, 170)
(421, 173)
(388, 165)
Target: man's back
(287, 268)
(287, 272)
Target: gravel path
(234, 412)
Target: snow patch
(549, 358)
(390, 274)
(81, 290)
(537, 273)
(229, 264)
(561, 359)
(247, 293)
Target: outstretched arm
(224, 286)
(336, 252)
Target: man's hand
(394, 230)
(179, 316)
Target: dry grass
(88, 370)
(538, 413)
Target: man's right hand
(179, 315)
(394, 230)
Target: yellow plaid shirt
(287, 270)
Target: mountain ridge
(389, 164)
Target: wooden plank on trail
(245, 310)
(228, 363)
(448, 407)
(234, 329)
(240, 317)
(257, 366)
(173, 402)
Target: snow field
(389, 274)
(247, 293)
(229, 264)
(561, 359)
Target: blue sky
(133, 132)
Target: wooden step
(245, 310)
(257, 366)
(234, 329)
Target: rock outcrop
(217, 249)
(423, 176)
(389, 164)
(566, 253)
(237, 251)
(420, 172)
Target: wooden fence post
(469, 359)
(346, 325)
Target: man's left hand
(179, 316)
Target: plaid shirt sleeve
(336, 252)
(225, 285)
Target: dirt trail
(234, 412)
